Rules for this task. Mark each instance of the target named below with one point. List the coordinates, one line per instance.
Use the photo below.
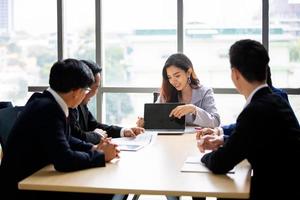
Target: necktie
(68, 126)
(76, 113)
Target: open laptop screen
(156, 116)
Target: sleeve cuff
(225, 137)
(220, 131)
(122, 132)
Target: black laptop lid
(156, 116)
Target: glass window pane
(79, 38)
(124, 108)
(211, 27)
(138, 36)
(28, 46)
(229, 107)
(285, 42)
(294, 101)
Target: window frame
(180, 48)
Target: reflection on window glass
(124, 108)
(79, 24)
(92, 106)
(28, 43)
(285, 42)
(138, 36)
(211, 27)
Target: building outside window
(28, 46)
(137, 38)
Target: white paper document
(194, 164)
(133, 143)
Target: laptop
(156, 119)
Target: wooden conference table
(154, 170)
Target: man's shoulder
(42, 103)
(280, 92)
(260, 103)
(265, 105)
(38, 97)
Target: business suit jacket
(206, 111)
(83, 127)
(39, 137)
(267, 134)
(228, 129)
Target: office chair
(8, 117)
(5, 104)
(155, 96)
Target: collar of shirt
(253, 92)
(60, 101)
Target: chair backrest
(155, 96)
(8, 117)
(5, 104)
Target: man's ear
(235, 73)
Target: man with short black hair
(84, 125)
(267, 131)
(41, 135)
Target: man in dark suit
(214, 138)
(41, 135)
(84, 125)
(267, 132)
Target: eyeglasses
(87, 90)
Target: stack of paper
(133, 143)
(194, 164)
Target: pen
(103, 135)
(101, 132)
(198, 128)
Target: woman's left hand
(182, 110)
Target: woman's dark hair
(93, 66)
(70, 74)
(168, 92)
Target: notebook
(194, 164)
(156, 119)
(133, 143)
